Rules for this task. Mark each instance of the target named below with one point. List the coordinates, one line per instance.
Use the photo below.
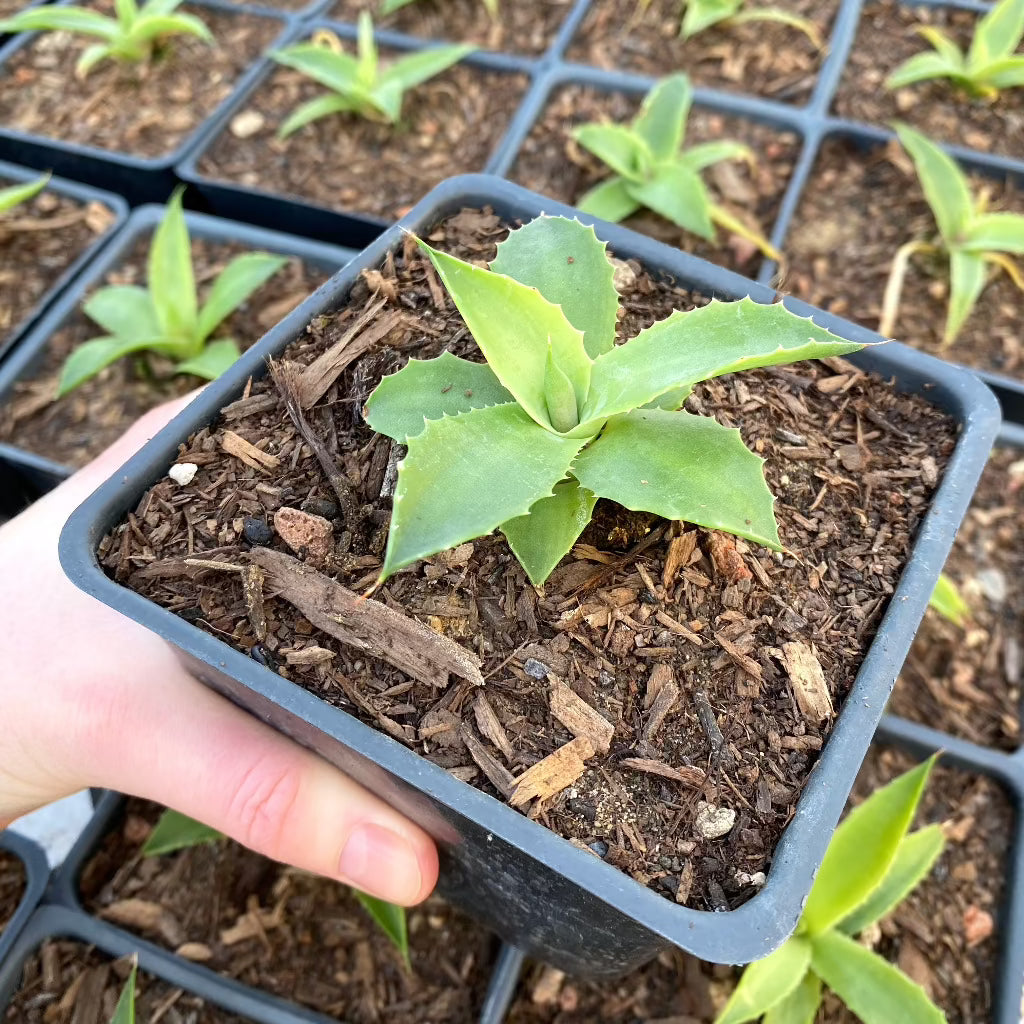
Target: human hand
(90, 698)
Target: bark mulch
(885, 39)
(12, 886)
(859, 208)
(669, 634)
(286, 932)
(553, 164)
(761, 58)
(74, 429)
(146, 110)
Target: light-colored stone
(713, 822)
(183, 473)
(309, 536)
(246, 124)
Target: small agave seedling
(652, 169)
(14, 195)
(175, 831)
(358, 84)
(131, 37)
(989, 65)
(947, 600)
(973, 238)
(390, 6)
(559, 415)
(124, 1012)
(699, 15)
(166, 318)
(871, 866)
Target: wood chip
(488, 724)
(678, 628)
(687, 774)
(725, 557)
(678, 555)
(551, 775)
(252, 589)
(309, 656)
(751, 667)
(500, 777)
(579, 717)
(808, 679)
(235, 444)
(547, 986)
(660, 675)
(367, 625)
(662, 704)
(145, 916)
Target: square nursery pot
(117, 864)
(139, 179)
(37, 876)
(327, 222)
(535, 889)
(24, 475)
(82, 194)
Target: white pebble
(183, 473)
(712, 822)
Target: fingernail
(382, 863)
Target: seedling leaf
(997, 33)
(170, 264)
(390, 919)
(661, 122)
(676, 192)
(800, 1006)
(94, 355)
(1003, 232)
(234, 285)
(610, 200)
(14, 195)
(621, 148)
(944, 186)
(967, 277)
(124, 1012)
(175, 831)
(765, 983)
(948, 602)
(216, 358)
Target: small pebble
(993, 585)
(247, 123)
(713, 822)
(323, 507)
(535, 669)
(600, 847)
(310, 537)
(183, 473)
(257, 531)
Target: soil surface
(553, 164)
(146, 110)
(39, 240)
(858, 209)
(68, 982)
(9, 7)
(524, 28)
(73, 429)
(293, 934)
(886, 38)
(450, 125)
(967, 681)
(667, 632)
(12, 886)
(762, 58)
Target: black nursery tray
(37, 876)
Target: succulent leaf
(610, 200)
(800, 1006)
(661, 122)
(175, 831)
(968, 273)
(765, 983)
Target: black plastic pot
(138, 179)
(536, 890)
(37, 875)
(304, 217)
(27, 474)
(83, 194)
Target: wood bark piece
(660, 675)
(664, 701)
(687, 774)
(235, 444)
(744, 661)
(552, 774)
(808, 679)
(500, 777)
(367, 625)
(252, 588)
(487, 722)
(727, 560)
(679, 550)
(579, 717)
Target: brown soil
(851, 484)
(859, 208)
(761, 58)
(551, 163)
(9, 7)
(145, 110)
(74, 429)
(450, 125)
(12, 886)
(968, 681)
(885, 39)
(313, 943)
(525, 28)
(67, 982)
(39, 240)
(929, 935)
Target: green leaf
(719, 338)
(995, 232)
(175, 831)
(91, 56)
(127, 11)
(920, 68)
(172, 284)
(515, 347)
(622, 149)
(92, 356)
(947, 601)
(125, 310)
(366, 48)
(1004, 74)
(705, 154)
(155, 26)
(676, 192)
(914, 859)
(215, 358)
(337, 71)
(161, 6)
(66, 19)
(800, 1006)
(681, 466)
(13, 195)
(313, 110)
(430, 389)
(542, 537)
(701, 14)
(671, 400)
(411, 70)
(610, 201)
(945, 46)
(467, 475)
(998, 33)
(875, 990)
(390, 919)
(390, 6)
(235, 283)
(559, 396)
(661, 122)
(862, 850)
(968, 274)
(779, 17)
(124, 1012)
(765, 983)
(564, 260)
(944, 184)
